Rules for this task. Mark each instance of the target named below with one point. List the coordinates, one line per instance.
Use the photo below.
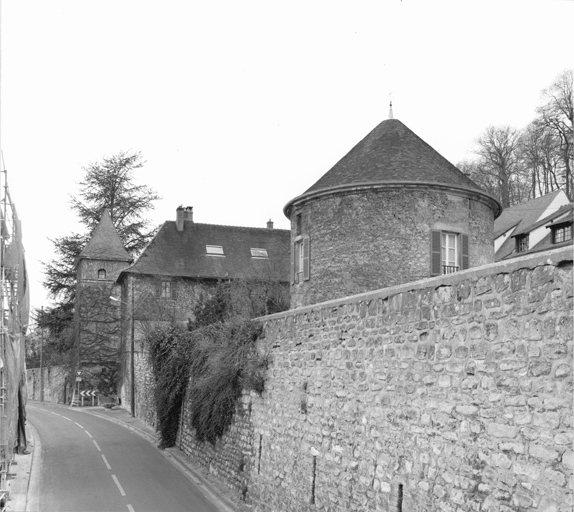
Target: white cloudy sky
(238, 107)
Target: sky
(238, 107)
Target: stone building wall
(448, 394)
(372, 239)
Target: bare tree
(498, 163)
(557, 114)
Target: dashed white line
(122, 492)
(78, 424)
(106, 462)
(90, 435)
(54, 413)
(66, 418)
(99, 449)
(131, 509)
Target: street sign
(78, 379)
(88, 393)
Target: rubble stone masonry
(449, 394)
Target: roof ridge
(232, 226)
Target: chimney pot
(269, 224)
(183, 214)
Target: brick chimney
(269, 224)
(183, 214)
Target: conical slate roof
(105, 243)
(391, 154)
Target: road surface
(89, 464)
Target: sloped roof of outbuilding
(183, 253)
(392, 154)
(523, 215)
(105, 243)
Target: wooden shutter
(306, 265)
(464, 254)
(435, 269)
(293, 262)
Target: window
(561, 233)
(214, 250)
(101, 274)
(300, 270)
(522, 243)
(258, 253)
(165, 291)
(449, 252)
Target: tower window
(300, 267)
(449, 252)
(101, 274)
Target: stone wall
(447, 394)
(54, 384)
(371, 239)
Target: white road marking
(99, 449)
(122, 492)
(66, 418)
(106, 462)
(88, 433)
(54, 413)
(131, 509)
(78, 424)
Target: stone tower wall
(377, 238)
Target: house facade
(183, 263)
(537, 225)
(391, 211)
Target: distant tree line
(517, 165)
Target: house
(186, 260)
(537, 225)
(392, 210)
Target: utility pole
(41, 357)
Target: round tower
(392, 210)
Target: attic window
(561, 233)
(258, 253)
(214, 250)
(522, 243)
(101, 274)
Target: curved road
(89, 464)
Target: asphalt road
(88, 464)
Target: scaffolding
(14, 314)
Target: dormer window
(214, 250)
(101, 274)
(561, 233)
(522, 243)
(258, 253)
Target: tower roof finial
(391, 105)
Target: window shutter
(435, 253)
(306, 266)
(464, 254)
(293, 262)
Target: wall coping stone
(551, 257)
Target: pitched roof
(564, 214)
(524, 214)
(392, 153)
(105, 243)
(183, 253)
